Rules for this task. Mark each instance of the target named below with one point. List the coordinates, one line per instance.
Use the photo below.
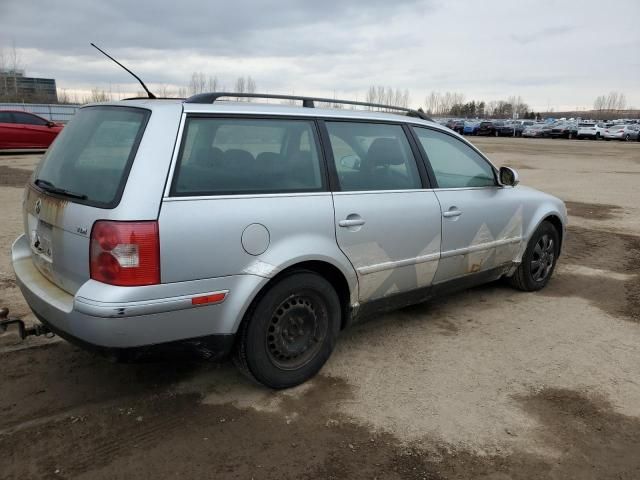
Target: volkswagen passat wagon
(263, 230)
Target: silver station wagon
(262, 230)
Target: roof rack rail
(154, 98)
(307, 102)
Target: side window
(233, 156)
(455, 164)
(27, 119)
(5, 117)
(370, 156)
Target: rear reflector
(206, 299)
(125, 253)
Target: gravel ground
(489, 383)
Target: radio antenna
(151, 95)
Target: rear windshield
(92, 156)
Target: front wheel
(539, 260)
(290, 332)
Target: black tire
(627, 137)
(570, 136)
(268, 351)
(597, 137)
(528, 277)
(496, 133)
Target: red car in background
(24, 130)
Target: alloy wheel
(543, 257)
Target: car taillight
(125, 253)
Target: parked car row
(559, 129)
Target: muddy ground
(490, 383)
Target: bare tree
(240, 85)
(610, 105)
(251, 85)
(198, 83)
(99, 95)
(15, 63)
(63, 96)
(10, 65)
(213, 84)
(600, 103)
(163, 91)
(387, 96)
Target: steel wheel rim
(543, 257)
(296, 331)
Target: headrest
(385, 151)
(237, 159)
(206, 157)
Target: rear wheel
(539, 260)
(570, 136)
(290, 332)
(627, 137)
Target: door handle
(452, 212)
(351, 222)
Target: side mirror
(51, 124)
(509, 177)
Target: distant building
(15, 87)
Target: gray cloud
(542, 34)
(551, 53)
(240, 27)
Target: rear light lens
(125, 253)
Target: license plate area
(42, 247)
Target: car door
(481, 220)
(10, 132)
(36, 133)
(387, 223)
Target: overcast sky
(560, 54)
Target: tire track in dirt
(177, 436)
(604, 251)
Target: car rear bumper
(109, 317)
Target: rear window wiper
(50, 187)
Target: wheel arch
(547, 208)
(345, 288)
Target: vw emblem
(38, 206)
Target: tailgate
(59, 249)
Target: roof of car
(19, 111)
(255, 108)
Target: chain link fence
(50, 111)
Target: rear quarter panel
(203, 237)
